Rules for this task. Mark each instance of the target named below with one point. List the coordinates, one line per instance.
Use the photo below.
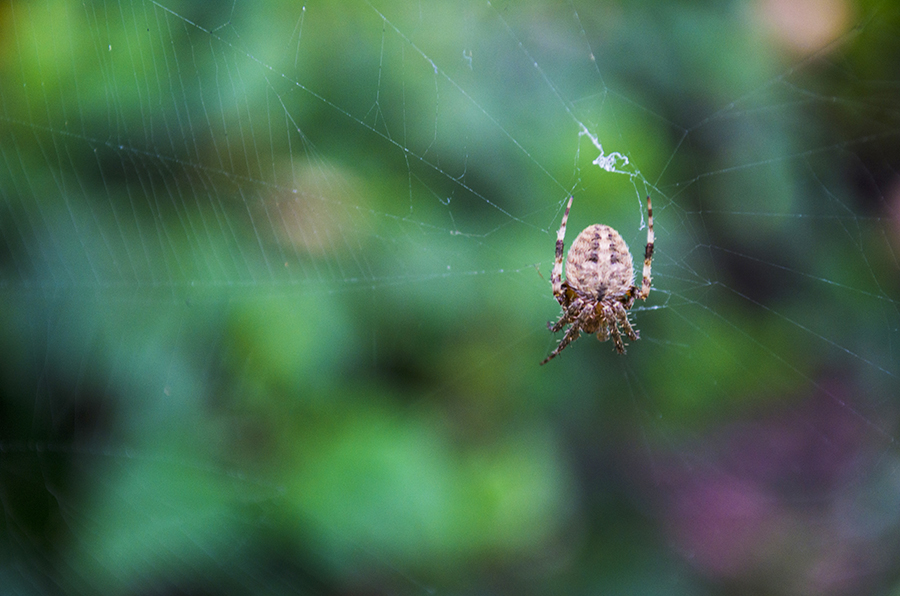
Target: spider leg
(573, 332)
(648, 254)
(603, 315)
(559, 290)
(617, 337)
(569, 315)
(603, 333)
(571, 335)
(610, 314)
(563, 320)
(622, 318)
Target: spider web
(275, 284)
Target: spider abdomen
(599, 263)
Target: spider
(599, 287)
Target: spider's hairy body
(599, 287)
(599, 263)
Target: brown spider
(599, 287)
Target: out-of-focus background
(275, 281)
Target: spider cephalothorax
(599, 287)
